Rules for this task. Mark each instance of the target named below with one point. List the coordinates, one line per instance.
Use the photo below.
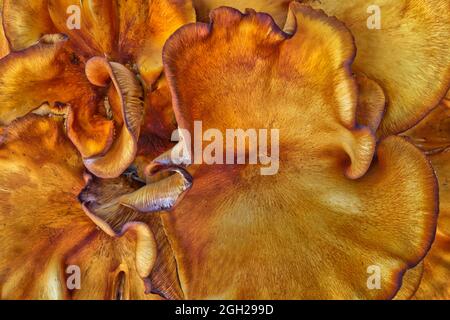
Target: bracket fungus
(99, 166)
(330, 188)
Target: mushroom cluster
(102, 195)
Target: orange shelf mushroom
(109, 108)
(312, 230)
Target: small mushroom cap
(131, 104)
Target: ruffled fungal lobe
(313, 229)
